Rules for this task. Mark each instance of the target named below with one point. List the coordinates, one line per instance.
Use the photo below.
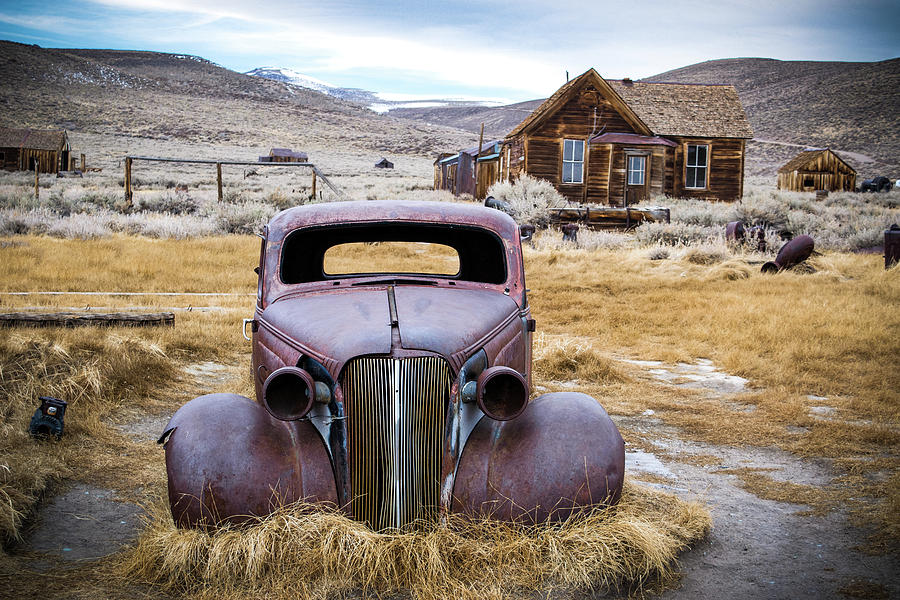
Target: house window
(696, 166)
(636, 169)
(573, 161)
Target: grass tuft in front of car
(302, 551)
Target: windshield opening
(446, 251)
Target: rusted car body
(394, 396)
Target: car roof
(380, 211)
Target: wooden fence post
(37, 190)
(219, 179)
(83, 166)
(314, 185)
(128, 180)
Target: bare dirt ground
(757, 548)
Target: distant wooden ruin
(617, 143)
(285, 155)
(25, 149)
(817, 169)
(384, 164)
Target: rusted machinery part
(734, 231)
(791, 254)
(561, 454)
(570, 232)
(228, 460)
(526, 232)
(500, 205)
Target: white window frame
(573, 161)
(642, 171)
(704, 166)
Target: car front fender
(228, 460)
(563, 453)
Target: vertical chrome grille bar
(395, 410)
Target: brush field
(813, 436)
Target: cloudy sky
(465, 48)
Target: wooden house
(286, 155)
(817, 169)
(456, 172)
(620, 142)
(384, 164)
(23, 149)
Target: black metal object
(891, 246)
(526, 232)
(570, 232)
(48, 418)
(500, 205)
(876, 184)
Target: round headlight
(502, 393)
(289, 393)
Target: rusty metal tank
(395, 396)
(791, 254)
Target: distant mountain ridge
(376, 101)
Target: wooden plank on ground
(81, 319)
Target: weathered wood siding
(823, 172)
(575, 121)
(47, 160)
(598, 173)
(725, 171)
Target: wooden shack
(384, 164)
(23, 149)
(817, 169)
(456, 172)
(621, 142)
(286, 155)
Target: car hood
(340, 325)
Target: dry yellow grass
(304, 552)
(831, 333)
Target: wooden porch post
(314, 185)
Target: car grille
(395, 411)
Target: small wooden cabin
(384, 164)
(286, 155)
(22, 149)
(456, 172)
(620, 142)
(817, 169)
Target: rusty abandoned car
(396, 396)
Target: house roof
(288, 153)
(630, 138)
(808, 156)
(686, 109)
(37, 139)
(562, 95)
(672, 109)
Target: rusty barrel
(734, 231)
(891, 246)
(791, 254)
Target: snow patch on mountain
(380, 102)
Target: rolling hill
(180, 97)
